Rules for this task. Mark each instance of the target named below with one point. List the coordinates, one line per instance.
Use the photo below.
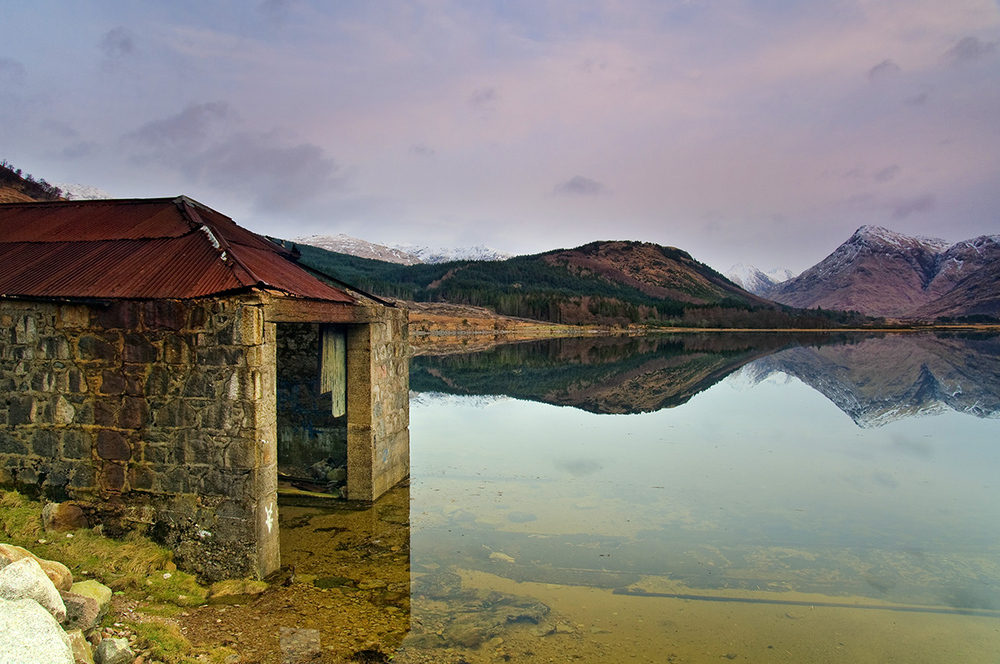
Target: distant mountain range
(403, 254)
(876, 272)
(601, 283)
(756, 281)
(879, 272)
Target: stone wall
(152, 414)
(378, 415)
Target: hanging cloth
(333, 366)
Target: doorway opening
(312, 408)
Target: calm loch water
(754, 498)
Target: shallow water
(755, 519)
(704, 498)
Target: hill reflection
(875, 379)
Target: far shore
(445, 328)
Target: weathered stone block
(113, 446)
(94, 348)
(241, 453)
(176, 481)
(134, 413)
(53, 348)
(62, 411)
(200, 385)
(220, 356)
(224, 483)
(45, 443)
(176, 349)
(22, 410)
(159, 454)
(225, 415)
(158, 382)
(75, 444)
(9, 444)
(164, 314)
(25, 331)
(135, 379)
(137, 348)
(141, 477)
(77, 381)
(117, 316)
(112, 477)
(73, 316)
(112, 382)
(106, 412)
(83, 478)
(175, 413)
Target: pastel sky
(762, 131)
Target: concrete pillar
(266, 424)
(378, 438)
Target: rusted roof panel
(293, 279)
(141, 249)
(85, 221)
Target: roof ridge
(217, 240)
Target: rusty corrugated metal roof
(162, 248)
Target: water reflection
(873, 378)
(881, 380)
(754, 521)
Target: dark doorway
(311, 414)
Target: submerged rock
(473, 616)
(300, 645)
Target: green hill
(601, 283)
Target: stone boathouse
(159, 364)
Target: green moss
(20, 518)
(133, 564)
(164, 641)
(135, 567)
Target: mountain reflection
(881, 380)
(874, 379)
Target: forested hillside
(19, 187)
(602, 283)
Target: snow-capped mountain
(479, 252)
(345, 244)
(883, 273)
(82, 192)
(405, 254)
(756, 281)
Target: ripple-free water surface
(755, 522)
